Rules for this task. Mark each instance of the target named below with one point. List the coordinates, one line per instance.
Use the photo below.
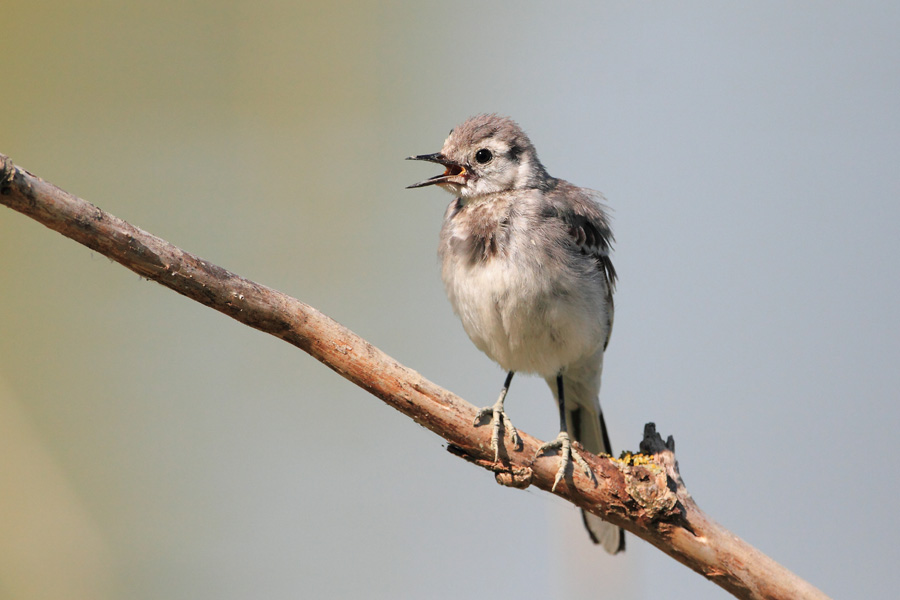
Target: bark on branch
(642, 493)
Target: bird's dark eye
(484, 156)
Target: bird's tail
(585, 424)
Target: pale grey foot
(499, 420)
(567, 455)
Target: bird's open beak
(453, 169)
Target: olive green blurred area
(152, 448)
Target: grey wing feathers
(591, 238)
(587, 223)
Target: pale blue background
(156, 449)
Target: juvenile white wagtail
(525, 262)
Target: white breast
(523, 318)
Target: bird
(525, 261)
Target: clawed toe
(499, 422)
(568, 453)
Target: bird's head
(485, 155)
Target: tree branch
(642, 493)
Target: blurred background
(152, 448)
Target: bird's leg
(499, 420)
(562, 441)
